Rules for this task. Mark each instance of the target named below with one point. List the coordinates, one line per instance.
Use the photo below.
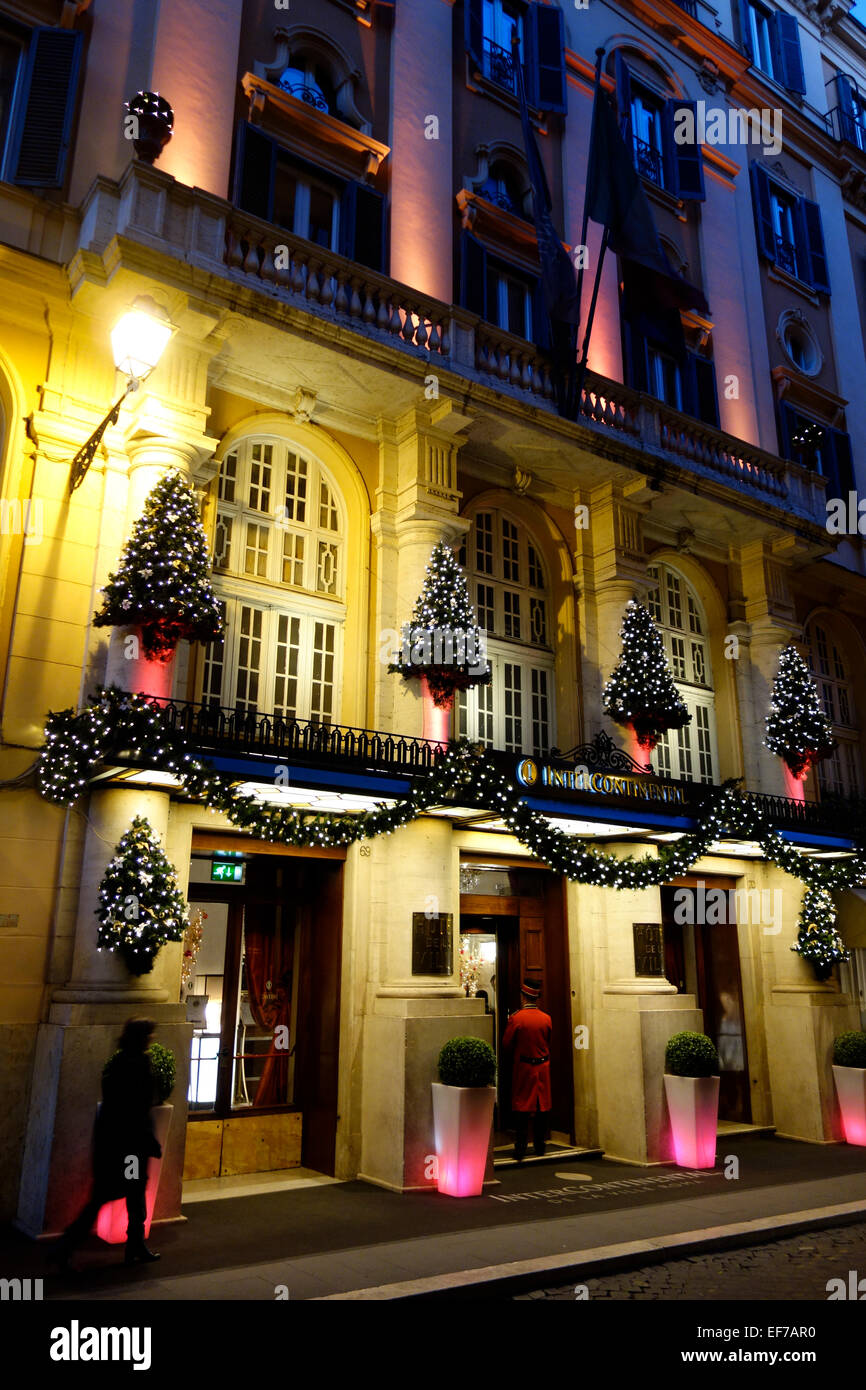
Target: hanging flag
(558, 279)
(615, 198)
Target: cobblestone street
(797, 1268)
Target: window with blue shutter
(255, 157)
(648, 122)
(849, 113)
(684, 165)
(702, 399)
(771, 40)
(788, 230)
(362, 226)
(473, 275)
(46, 109)
(502, 294)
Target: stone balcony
(219, 250)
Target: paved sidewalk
(536, 1226)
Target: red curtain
(268, 963)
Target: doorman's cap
(531, 989)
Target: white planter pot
(112, 1221)
(462, 1121)
(693, 1103)
(851, 1090)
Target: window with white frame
(646, 128)
(279, 574)
(499, 17)
(840, 774)
(306, 205)
(690, 752)
(509, 588)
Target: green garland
(76, 744)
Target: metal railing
(648, 162)
(499, 66)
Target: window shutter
(787, 58)
(847, 110)
(841, 472)
(701, 394)
(41, 142)
(786, 429)
(763, 214)
(634, 353)
(745, 32)
(254, 172)
(623, 96)
(473, 17)
(540, 318)
(473, 275)
(544, 28)
(684, 172)
(816, 256)
(362, 226)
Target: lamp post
(138, 340)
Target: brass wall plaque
(432, 943)
(649, 948)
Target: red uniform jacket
(529, 1032)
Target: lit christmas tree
(140, 905)
(443, 641)
(641, 693)
(163, 582)
(798, 730)
(818, 941)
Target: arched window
(309, 80)
(510, 591)
(690, 752)
(505, 187)
(840, 773)
(279, 573)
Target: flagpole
(578, 371)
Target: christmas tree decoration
(443, 644)
(162, 584)
(641, 693)
(118, 726)
(140, 905)
(797, 729)
(818, 941)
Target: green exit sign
(222, 872)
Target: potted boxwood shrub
(849, 1073)
(112, 1221)
(463, 1100)
(692, 1091)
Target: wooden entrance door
(320, 891)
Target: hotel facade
(340, 231)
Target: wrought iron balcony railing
(311, 95)
(217, 729)
(846, 125)
(786, 255)
(648, 162)
(499, 65)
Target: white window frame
(657, 383)
(759, 32)
(667, 758)
(497, 24)
(469, 704)
(840, 774)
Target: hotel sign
(539, 775)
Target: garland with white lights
(163, 581)
(140, 904)
(116, 722)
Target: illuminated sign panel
(579, 779)
(223, 872)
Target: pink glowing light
(113, 1219)
(693, 1104)
(437, 719)
(851, 1090)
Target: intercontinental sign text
(531, 774)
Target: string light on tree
(443, 643)
(797, 729)
(641, 693)
(163, 580)
(140, 905)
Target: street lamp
(138, 340)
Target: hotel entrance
(512, 926)
(264, 998)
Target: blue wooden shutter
(44, 130)
(473, 17)
(847, 109)
(840, 473)
(787, 58)
(745, 31)
(473, 275)
(701, 395)
(684, 165)
(763, 215)
(540, 317)
(787, 423)
(813, 237)
(623, 96)
(544, 28)
(362, 226)
(255, 158)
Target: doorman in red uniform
(529, 1032)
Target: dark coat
(529, 1032)
(123, 1125)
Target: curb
(521, 1275)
